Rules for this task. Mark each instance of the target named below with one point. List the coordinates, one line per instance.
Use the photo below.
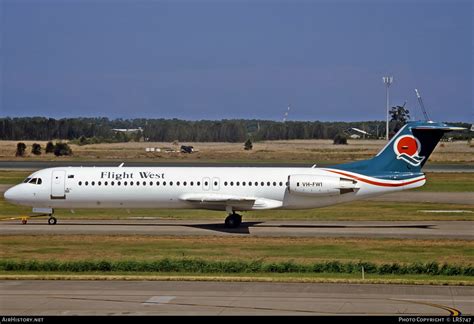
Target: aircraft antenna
(420, 101)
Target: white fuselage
(218, 188)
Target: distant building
(128, 130)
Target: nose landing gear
(51, 220)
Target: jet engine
(314, 185)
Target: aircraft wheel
(24, 221)
(233, 221)
(52, 221)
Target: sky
(235, 58)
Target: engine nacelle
(314, 185)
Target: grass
(230, 267)
(417, 279)
(9, 177)
(307, 151)
(298, 250)
(448, 182)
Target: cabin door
(58, 184)
(206, 184)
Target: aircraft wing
(220, 201)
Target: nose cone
(12, 194)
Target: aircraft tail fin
(407, 151)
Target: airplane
(234, 189)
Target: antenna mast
(286, 113)
(420, 101)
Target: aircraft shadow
(244, 228)
(347, 226)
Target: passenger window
(118, 183)
(225, 183)
(250, 183)
(177, 183)
(157, 183)
(274, 183)
(256, 184)
(99, 183)
(106, 183)
(71, 176)
(164, 183)
(192, 183)
(151, 183)
(112, 183)
(184, 183)
(199, 183)
(243, 183)
(87, 183)
(80, 183)
(262, 183)
(281, 183)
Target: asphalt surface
(371, 229)
(229, 298)
(36, 165)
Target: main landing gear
(233, 220)
(52, 220)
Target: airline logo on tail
(407, 148)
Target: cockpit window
(26, 180)
(35, 181)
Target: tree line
(168, 130)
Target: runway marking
(158, 300)
(194, 304)
(446, 211)
(452, 311)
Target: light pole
(388, 81)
